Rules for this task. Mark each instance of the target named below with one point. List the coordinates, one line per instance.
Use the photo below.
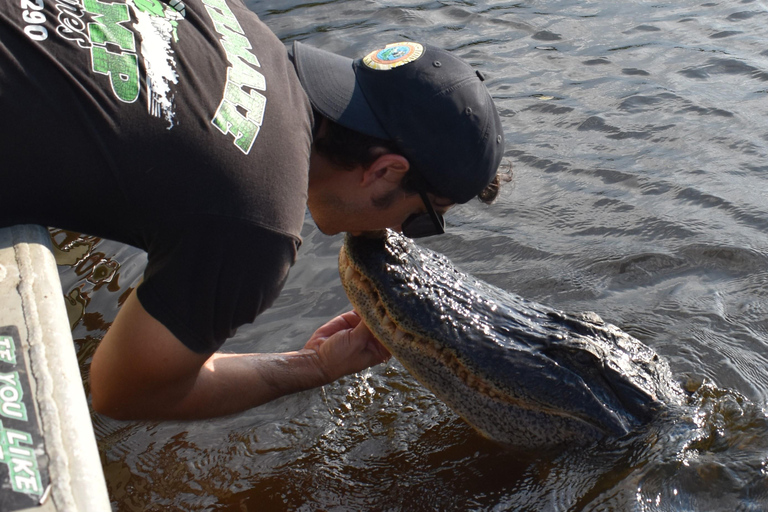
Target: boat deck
(49, 460)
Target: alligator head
(520, 373)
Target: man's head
(411, 101)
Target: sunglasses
(420, 225)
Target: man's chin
(376, 233)
(330, 230)
(324, 229)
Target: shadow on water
(638, 137)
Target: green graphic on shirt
(107, 28)
(123, 71)
(236, 47)
(153, 7)
(241, 110)
(122, 67)
(229, 120)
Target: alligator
(522, 374)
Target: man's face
(361, 200)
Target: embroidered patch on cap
(393, 55)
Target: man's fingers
(351, 317)
(364, 336)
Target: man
(171, 126)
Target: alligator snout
(521, 373)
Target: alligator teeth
(364, 284)
(350, 273)
(388, 325)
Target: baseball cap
(430, 103)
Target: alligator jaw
(494, 413)
(398, 340)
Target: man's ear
(388, 169)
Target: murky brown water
(639, 138)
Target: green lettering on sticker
(11, 394)
(106, 27)
(21, 460)
(122, 69)
(7, 350)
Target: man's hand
(142, 371)
(345, 345)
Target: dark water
(638, 132)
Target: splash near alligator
(520, 373)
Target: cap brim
(331, 85)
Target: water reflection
(639, 140)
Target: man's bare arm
(142, 371)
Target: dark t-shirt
(179, 128)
